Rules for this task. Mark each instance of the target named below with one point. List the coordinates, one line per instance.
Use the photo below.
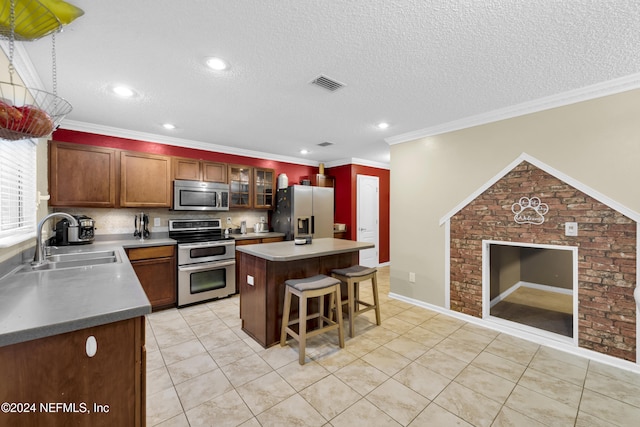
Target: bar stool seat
(352, 277)
(310, 287)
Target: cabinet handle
(91, 346)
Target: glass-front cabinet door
(264, 188)
(240, 194)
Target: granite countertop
(264, 235)
(289, 251)
(44, 303)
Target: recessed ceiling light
(123, 91)
(382, 125)
(217, 64)
(304, 151)
(168, 126)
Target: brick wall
(606, 244)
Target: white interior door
(367, 218)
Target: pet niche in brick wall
(529, 211)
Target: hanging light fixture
(29, 112)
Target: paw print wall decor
(529, 211)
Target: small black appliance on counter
(70, 235)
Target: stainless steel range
(206, 260)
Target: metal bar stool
(352, 276)
(310, 287)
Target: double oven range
(206, 260)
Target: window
(17, 191)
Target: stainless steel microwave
(200, 196)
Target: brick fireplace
(531, 203)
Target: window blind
(17, 187)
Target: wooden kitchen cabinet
(241, 242)
(155, 267)
(199, 170)
(240, 186)
(82, 175)
(145, 180)
(264, 185)
(107, 389)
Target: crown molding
(586, 93)
(186, 143)
(356, 161)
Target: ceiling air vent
(325, 144)
(327, 83)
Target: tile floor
(419, 368)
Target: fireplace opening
(534, 287)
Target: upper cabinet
(240, 186)
(82, 175)
(145, 180)
(199, 170)
(264, 185)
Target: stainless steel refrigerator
(304, 210)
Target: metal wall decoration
(529, 211)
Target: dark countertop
(45, 303)
(289, 251)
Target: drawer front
(150, 252)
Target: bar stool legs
(312, 287)
(352, 276)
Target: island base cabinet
(53, 381)
(261, 304)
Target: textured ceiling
(413, 63)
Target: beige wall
(596, 142)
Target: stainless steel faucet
(39, 258)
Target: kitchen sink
(73, 260)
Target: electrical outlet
(249, 280)
(570, 228)
(261, 219)
(156, 222)
(412, 277)
(228, 220)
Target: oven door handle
(209, 244)
(207, 266)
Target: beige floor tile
(587, 420)
(330, 396)
(294, 411)
(472, 337)
(170, 338)
(507, 417)
(397, 325)
(551, 386)
(207, 328)
(253, 422)
(277, 356)
(461, 350)
(542, 408)
(177, 421)
(225, 410)
(479, 330)
(386, 360)
(441, 363)
(163, 316)
(485, 383)
(554, 354)
(246, 369)
(219, 338)
(518, 351)
(363, 413)
(469, 405)
(611, 387)
(182, 351)
(229, 353)
(265, 392)
(333, 358)
(552, 365)
(198, 390)
(162, 406)
(499, 366)
(379, 335)
(360, 345)
(422, 380)
(408, 348)
(442, 324)
(603, 407)
(154, 360)
(158, 380)
(424, 336)
(200, 316)
(398, 401)
(302, 376)
(190, 368)
(619, 374)
(434, 415)
(361, 376)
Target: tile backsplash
(121, 221)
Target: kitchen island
(263, 268)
